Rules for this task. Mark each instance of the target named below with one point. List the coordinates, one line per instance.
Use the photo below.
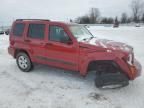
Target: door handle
(27, 40)
(46, 44)
(49, 44)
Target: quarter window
(36, 31)
(18, 29)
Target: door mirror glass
(64, 40)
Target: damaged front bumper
(135, 69)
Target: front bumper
(135, 69)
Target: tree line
(94, 15)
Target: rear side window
(36, 31)
(18, 29)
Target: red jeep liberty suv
(72, 47)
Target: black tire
(111, 80)
(24, 62)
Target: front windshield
(80, 32)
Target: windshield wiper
(88, 38)
(92, 37)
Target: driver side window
(57, 33)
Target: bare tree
(142, 19)
(83, 20)
(106, 20)
(110, 20)
(94, 15)
(129, 19)
(136, 6)
(124, 18)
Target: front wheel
(23, 61)
(111, 80)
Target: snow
(47, 87)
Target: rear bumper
(135, 69)
(11, 51)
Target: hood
(107, 44)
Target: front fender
(102, 56)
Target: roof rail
(32, 19)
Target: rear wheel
(108, 76)
(23, 61)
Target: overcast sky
(58, 9)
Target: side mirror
(66, 40)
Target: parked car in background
(7, 31)
(1, 32)
(72, 47)
(116, 25)
(137, 25)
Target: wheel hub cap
(22, 61)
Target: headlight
(130, 59)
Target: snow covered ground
(47, 87)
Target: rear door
(35, 39)
(58, 53)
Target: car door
(59, 53)
(35, 39)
